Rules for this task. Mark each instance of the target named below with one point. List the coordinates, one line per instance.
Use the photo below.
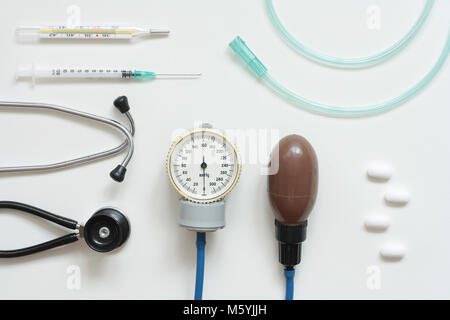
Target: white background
(158, 261)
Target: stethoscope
(118, 174)
(107, 229)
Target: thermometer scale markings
(86, 32)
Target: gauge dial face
(203, 165)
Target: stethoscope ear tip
(118, 174)
(121, 103)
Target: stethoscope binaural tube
(106, 230)
(118, 174)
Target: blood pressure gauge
(203, 166)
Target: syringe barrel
(75, 73)
(85, 73)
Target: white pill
(377, 222)
(397, 196)
(380, 171)
(393, 251)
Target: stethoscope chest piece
(106, 230)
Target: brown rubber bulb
(293, 189)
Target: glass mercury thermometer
(88, 32)
(34, 73)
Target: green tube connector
(240, 48)
(144, 74)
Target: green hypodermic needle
(34, 73)
(150, 75)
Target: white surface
(158, 261)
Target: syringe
(34, 73)
(88, 32)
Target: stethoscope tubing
(59, 220)
(92, 157)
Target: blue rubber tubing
(289, 274)
(200, 273)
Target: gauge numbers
(203, 165)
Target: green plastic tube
(348, 62)
(258, 68)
